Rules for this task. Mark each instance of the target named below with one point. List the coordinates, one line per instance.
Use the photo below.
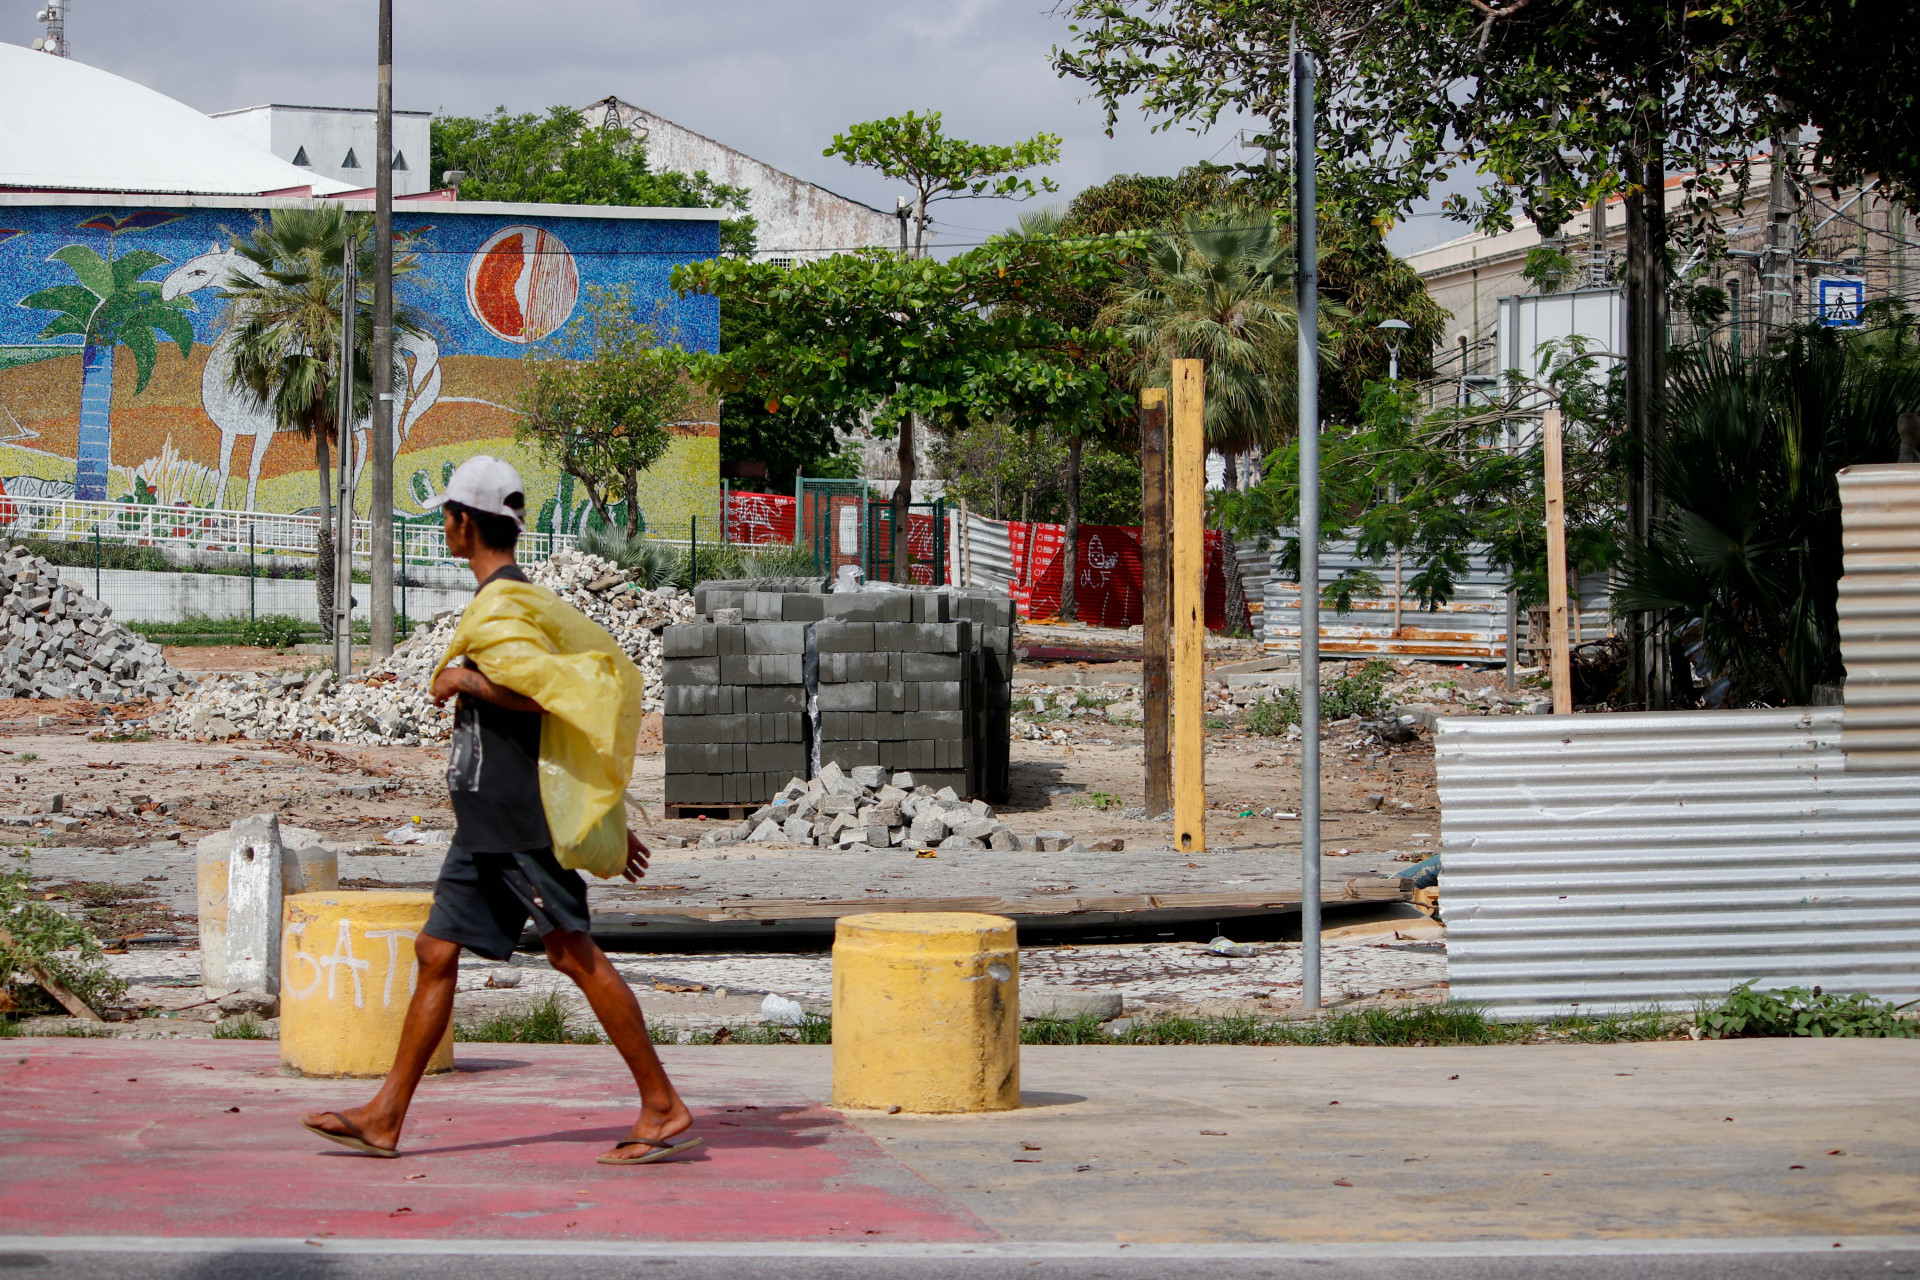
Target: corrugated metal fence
(1880, 615)
(1607, 862)
(1472, 625)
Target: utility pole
(1307, 272)
(1776, 258)
(380, 433)
(343, 481)
(1155, 598)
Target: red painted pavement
(201, 1138)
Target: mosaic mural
(113, 368)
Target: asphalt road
(532, 1260)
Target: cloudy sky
(775, 80)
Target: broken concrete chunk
(768, 832)
(904, 781)
(1052, 841)
(870, 776)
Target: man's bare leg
(662, 1114)
(379, 1121)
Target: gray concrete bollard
(224, 902)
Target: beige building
(1852, 235)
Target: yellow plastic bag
(525, 638)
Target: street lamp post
(1393, 329)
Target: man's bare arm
(468, 680)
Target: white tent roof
(66, 126)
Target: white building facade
(797, 220)
(338, 142)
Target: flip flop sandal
(353, 1139)
(662, 1151)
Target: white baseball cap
(487, 484)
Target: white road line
(1610, 1248)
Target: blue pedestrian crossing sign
(1842, 298)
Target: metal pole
(1513, 632)
(96, 562)
(250, 609)
(1309, 380)
(380, 450)
(343, 435)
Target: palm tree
(1220, 289)
(1749, 545)
(110, 305)
(286, 330)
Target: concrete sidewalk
(1698, 1141)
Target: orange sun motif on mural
(522, 284)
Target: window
(352, 161)
(300, 158)
(399, 162)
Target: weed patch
(244, 1027)
(57, 942)
(545, 1021)
(1796, 1011)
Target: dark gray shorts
(482, 901)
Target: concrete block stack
(914, 681)
(56, 641)
(736, 710)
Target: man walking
(520, 658)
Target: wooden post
(1187, 507)
(1155, 602)
(1560, 660)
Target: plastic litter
(1225, 946)
(781, 1011)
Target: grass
(1411, 1027)
(244, 1027)
(28, 757)
(133, 735)
(544, 1021)
(268, 631)
(1363, 694)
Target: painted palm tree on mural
(110, 305)
(285, 338)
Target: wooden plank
(54, 987)
(1354, 889)
(1187, 508)
(1560, 662)
(1155, 604)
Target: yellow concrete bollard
(347, 973)
(926, 1012)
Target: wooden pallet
(730, 812)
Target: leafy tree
(287, 339)
(110, 305)
(1437, 486)
(915, 149)
(1848, 68)
(604, 398)
(756, 426)
(871, 332)
(1361, 281)
(557, 158)
(1007, 473)
(1750, 544)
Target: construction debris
(60, 642)
(392, 704)
(864, 809)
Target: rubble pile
(60, 642)
(864, 808)
(391, 704)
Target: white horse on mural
(236, 413)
